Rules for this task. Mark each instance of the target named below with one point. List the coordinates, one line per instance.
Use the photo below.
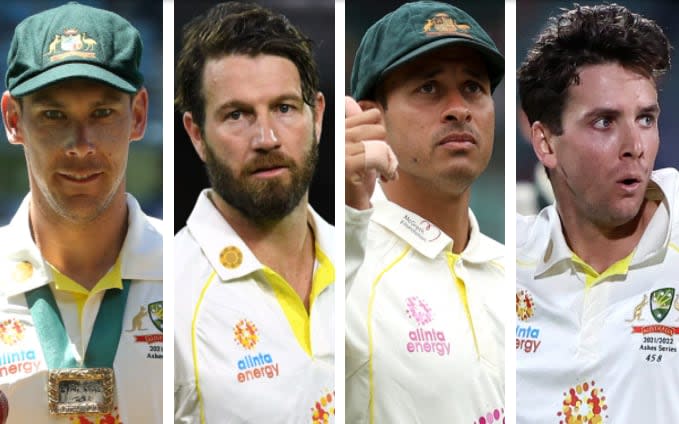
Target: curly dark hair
(238, 28)
(586, 35)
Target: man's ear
(542, 140)
(318, 110)
(195, 134)
(11, 116)
(140, 109)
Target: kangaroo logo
(638, 309)
(137, 320)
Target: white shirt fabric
(591, 347)
(411, 353)
(238, 358)
(138, 362)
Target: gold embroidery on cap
(442, 24)
(71, 43)
(231, 257)
(22, 271)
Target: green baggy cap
(412, 30)
(74, 41)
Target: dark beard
(262, 201)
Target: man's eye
(53, 114)
(473, 87)
(647, 121)
(427, 88)
(284, 108)
(102, 113)
(235, 115)
(602, 123)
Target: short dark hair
(586, 35)
(245, 29)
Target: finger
(365, 132)
(351, 107)
(370, 116)
(379, 156)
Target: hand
(366, 155)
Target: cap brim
(494, 60)
(71, 70)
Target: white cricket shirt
(424, 337)
(246, 350)
(138, 362)
(599, 348)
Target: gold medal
(80, 391)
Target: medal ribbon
(103, 344)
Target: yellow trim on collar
(111, 280)
(291, 303)
(593, 278)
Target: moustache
(268, 161)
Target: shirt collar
(663, 186)
(227, 253)
(22, 267)
(426, 237)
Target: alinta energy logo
(257, 364)
(527, 336)
(421, 339)
(11, 331)
(323, 409)
(583, 404)
(21, 361)
(497, 416)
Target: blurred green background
(145, 166)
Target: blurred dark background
(532, 17)
(316, 19)
(488, 192)
(145, 166)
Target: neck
(83, 251)
(448, 211)
(602, 246)
(291, 235)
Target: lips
(80, 176)
(457, 141)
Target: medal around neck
(80, 391)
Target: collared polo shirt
(138, 361)
(246, 349)
(424, 334)
(599, 347)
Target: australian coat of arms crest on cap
(71, 43)
(442, 24)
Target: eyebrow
(239, 104)
(607, 111)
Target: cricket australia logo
(661, 303)
(71, 43)
(657, 339)
(156, 314)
